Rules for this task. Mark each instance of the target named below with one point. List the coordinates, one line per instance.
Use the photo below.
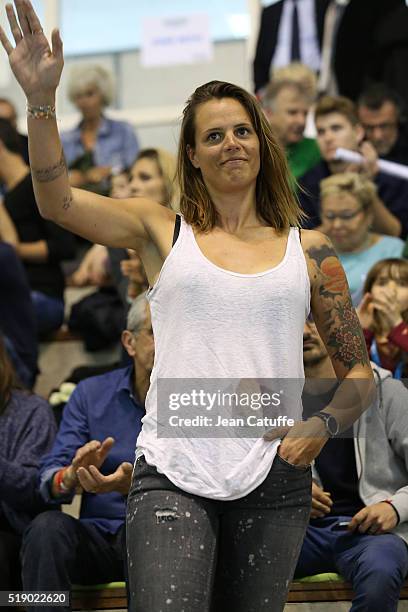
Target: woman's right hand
(365, 311)
(36, 67)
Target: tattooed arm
(116, 223)
(339, 328)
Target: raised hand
(35, 65)
(91, 453)
(93, 481)
(365, 311)
(389, 309)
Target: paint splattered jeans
(192, 554)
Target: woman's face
(345, 222)
(89, 102)
(120, 186)
(395, 288)
(147, 182)
(226, 146)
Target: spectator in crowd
(8, 111)
(347, 203)
(40, 244)
(152, 175)
(380, 111)
(337, 126)
(17, 317)
(296, 72)
(28, 429)
(372, 45)
(383, 314)
(94, 448)
(360, 479)
(290, 30)
(98, 146)
(286, 104)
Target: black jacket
(268, 37)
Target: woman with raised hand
(213, 520)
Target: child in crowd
(383, 315)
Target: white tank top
(209, 322)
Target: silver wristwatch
(332, 426)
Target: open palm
(36, 67)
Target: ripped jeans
(193, 554)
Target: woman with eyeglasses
(347, 216)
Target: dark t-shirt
(47, 276)
(336, 463)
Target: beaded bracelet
(43, 111)
(59, 481)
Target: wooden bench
(111, 596)
(322, 587)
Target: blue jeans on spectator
(59, 550)
(375, 565)
(193, 554)
(49, 312)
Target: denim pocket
(299, 468)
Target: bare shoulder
(319, 253)
(312, 238)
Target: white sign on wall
(183, 39)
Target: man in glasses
(338, 125)
(380, 111)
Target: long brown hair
(275, 200)
(7, 377)
(394, 268)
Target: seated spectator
(94, 447)
(380, 111)
(98, 146)
(151, 176)
(28, 429)
(361, 479)
(17, 317)
(41, 244)
(337, 126)
(347, 204)
(296, 72)
(383, 314)
(286, 104)
(8, 111)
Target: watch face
(332, 425)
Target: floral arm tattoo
(335, 315)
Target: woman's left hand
(301, 443)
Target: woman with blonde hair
(152, 175)
(98, 145)
(347, 202)
(218, 514)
